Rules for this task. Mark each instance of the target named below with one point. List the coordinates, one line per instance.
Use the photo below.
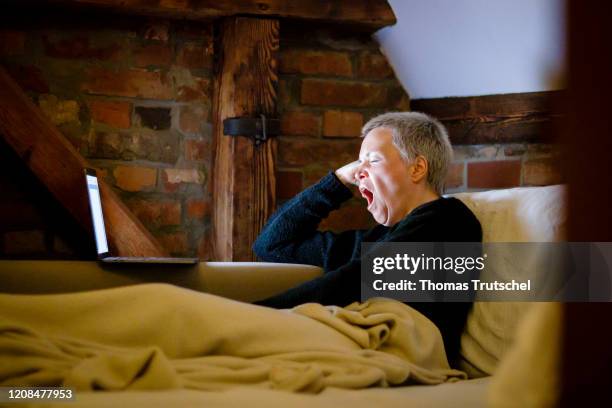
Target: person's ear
(418, 170)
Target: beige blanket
(158, 336)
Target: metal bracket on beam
(259, 129)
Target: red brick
(342, 123)
(300, 123)
(59, 111)
(11, 42)
(198, 90)
(131, 83)
(348, 217)
(198, 208)
(78, 47)
(316, 63)
(135, 178)
(155, 214)
(301, 152)
(113, 113)
(494, 174)
(158, 146)
(191, 119)
(288, 184)
(542, 172)
(173, 178)
(454, 178)
(107, 145)
(24, 242)
(373, 65)
(355, 94)
(176, 242)
(197, 150)
(195, 56)
(153, 54)
(29, 77)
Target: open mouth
(367, 194)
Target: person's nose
(360, 174)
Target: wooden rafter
(507, 118)
(59, 166)
(371, 14)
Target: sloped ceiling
(444, 48)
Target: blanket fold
(158, 336)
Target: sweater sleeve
(291, 235)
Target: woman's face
(383, 177)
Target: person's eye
(374, 160)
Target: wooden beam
(370, 14)
(508, 118)
(59, 166)
(244, 184)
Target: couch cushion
(526, 214)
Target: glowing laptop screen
(96, 213)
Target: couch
(512, 215)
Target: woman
(403, 162)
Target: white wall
(474, 47)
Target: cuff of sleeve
(332, 184)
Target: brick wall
(500, 141)
(331, 83)
(485, 167)
(134, 96)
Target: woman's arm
(291, 235)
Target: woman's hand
(346, 173)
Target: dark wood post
(244, 174)
(587, 139)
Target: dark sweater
(291, 236)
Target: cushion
(525, 214)
(529, 376)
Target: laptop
(97, 218)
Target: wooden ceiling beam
(369, 14)
(59, 166)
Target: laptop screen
(96, 213)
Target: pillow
(525, 214)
